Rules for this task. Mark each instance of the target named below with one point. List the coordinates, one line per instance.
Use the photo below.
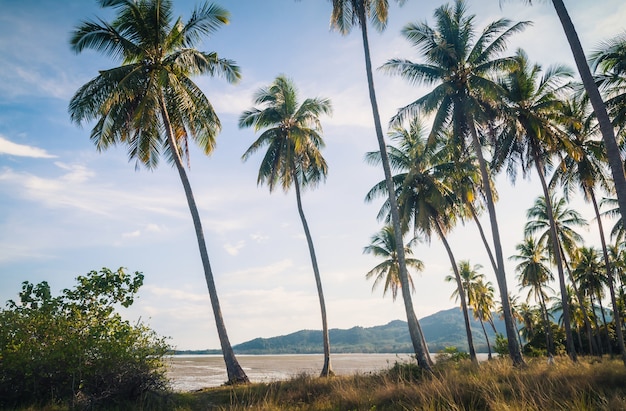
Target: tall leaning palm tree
(599, 107)
(345, 15)
(587, 171)
(460, 63)
(426, 198)
(293, 140)
(531, 133)
(150, 104)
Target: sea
(194, 372)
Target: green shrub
(451, 354)
(502, 344)
(75, 348)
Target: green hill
(442, 329)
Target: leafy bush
(502, 344)
(76, 348)
(451, 354)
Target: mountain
(442, 329)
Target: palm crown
(292, 135)
(135, 102)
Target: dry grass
(494, 385)
(590, 384)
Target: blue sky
(66, 209)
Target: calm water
(193, 372)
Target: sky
(66, 209)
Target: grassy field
(590, 384)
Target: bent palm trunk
(417, 338)
(609, 274)
(511, 330)
(569, 337)
(327, 368)
(606, 128)
(236, 374)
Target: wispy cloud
(21, 150)
(259, 238)
(78, 188)
(233, 249)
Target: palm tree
(425, 195)
(459, 63)
(577, 311)
(532, 318)
(565, 219)
(471, 285)
(345, 15)
(482, 307)
(293, 158)
(533, 273)
(383, 245)
(591, 280)
(517, 315)
(587, 171)
(150, 103)
(618, 233)
(609, 64)
(599, 108)
(530, 134)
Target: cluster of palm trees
(514, 116)
(490, 112)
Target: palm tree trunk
(609, 276)
(482, 324)
(605, 325)
(482, 236)
(461, 291)
(580, 338)
(599, 108)
(547, 326)
(594, 315)
(593, 344)
(556, 249)
(421, 354)
(514, 349)
(327, 368)
(235, 373)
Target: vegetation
(293, 138)
(76, 348)
(150, 103)
(345, 15)
(491, 113)
(456, 384)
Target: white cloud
(264, 271)
(153, 228)
(234, 249)
(21, 150)
(132, 234)
(78, 188)
(176, 294)
(149, 228)
(259, 238)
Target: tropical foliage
(291, 132)
(151, 105)
(491, 112)
(76, 347)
